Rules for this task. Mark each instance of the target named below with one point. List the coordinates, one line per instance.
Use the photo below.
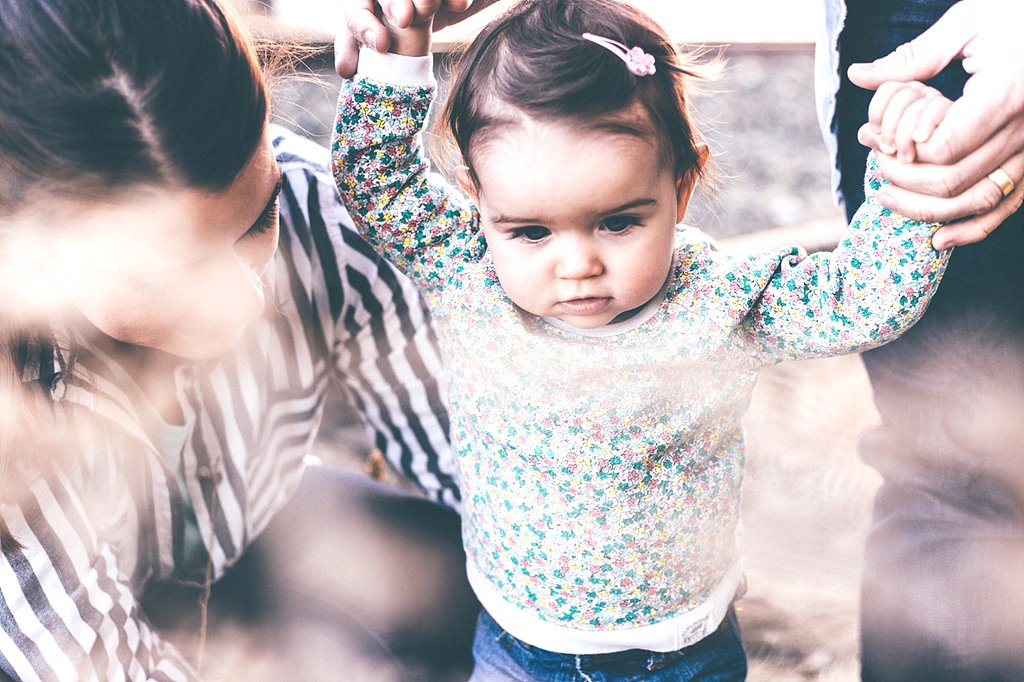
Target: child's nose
(579, 260)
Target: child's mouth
(586, 306)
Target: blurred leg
(941, 593)
(352, 580)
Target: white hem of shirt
(671, 634)
(396, 69)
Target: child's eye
(532, 233)
(619, 223)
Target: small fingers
(879, 104)
(918, 122)
(900, 102)
(346, 53)
(932, 115)
(903, 135)
(400, 13)
(457, 5)
(365, 27)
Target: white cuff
(396, 69)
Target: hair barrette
(638, 62)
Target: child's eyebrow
(629, 205)
(499, 219)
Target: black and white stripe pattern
(93, 534)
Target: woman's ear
(686, 182)
(465, 180)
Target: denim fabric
(500, 657)
(942, 597)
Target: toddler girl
(599, 358)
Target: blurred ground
(807, 497)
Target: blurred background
(807, 496)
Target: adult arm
(374, 323)
(409, 214)
(67, 609)
(981, 132)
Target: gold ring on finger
(1003, 181)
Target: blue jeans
(941, 594)
(500, 657)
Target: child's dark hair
(95, 95)
(534, 59)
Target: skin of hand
(365, 25)
(945, 177)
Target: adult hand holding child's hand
(365, 25)
(972, 162)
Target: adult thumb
(922, 57)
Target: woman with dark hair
(180, 290)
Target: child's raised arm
(409, 214)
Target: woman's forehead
(155, 226)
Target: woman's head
(135, 171)
(580, 168)
(96, 96)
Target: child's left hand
(903, 115)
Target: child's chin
(586, 322)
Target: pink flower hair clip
(638, 62)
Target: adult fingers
(979, 199)
(362, 26)
(992, 102)
(458, 6)
(942, 180)
(976, 228)
(922, 57)
(454, 11)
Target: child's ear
(686, 182)
(465, 180)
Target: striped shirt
(113, 517)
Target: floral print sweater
(601, 473)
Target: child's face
(580, 222)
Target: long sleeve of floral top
(611, 461)
(869, 289)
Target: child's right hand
(405, 14)
(410, 22)
(903, 115)
(363, 26)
